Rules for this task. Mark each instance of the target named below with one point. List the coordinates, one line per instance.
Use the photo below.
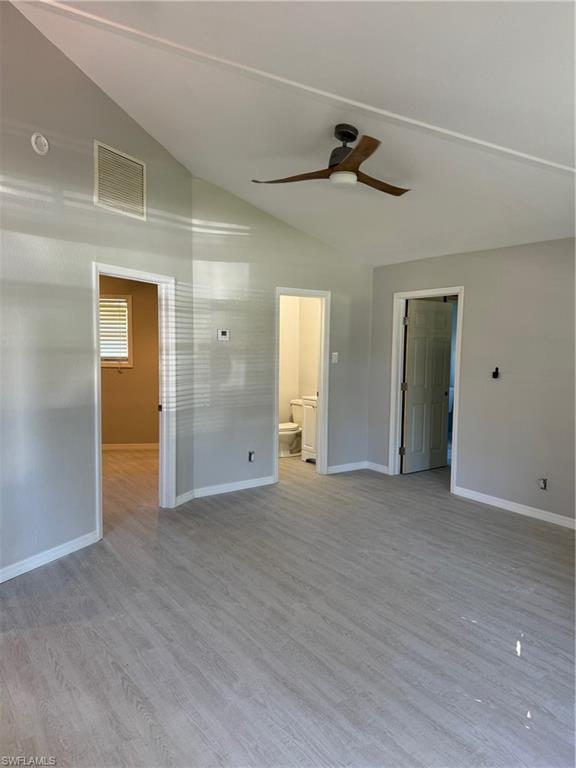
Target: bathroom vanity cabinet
(309, 427)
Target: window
(116, 331)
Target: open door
(426, 385)
(302, 370)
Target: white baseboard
(129, 446)
(213, 490)
(184, 497)
(512, 506)
(337, 468)
(382, 468)
(23, 566)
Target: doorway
(301, 378)
(426, 346)
(135, 378)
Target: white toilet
(290, 432)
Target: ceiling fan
(344, 164)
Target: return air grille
(120, 182)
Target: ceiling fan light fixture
(344, 165)
(343, 179)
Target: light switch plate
(335, 357)
(223, 334)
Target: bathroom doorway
(301, 381)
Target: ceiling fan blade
(366, 147)
(323, 174)
(382, 186)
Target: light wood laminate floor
(353, 620)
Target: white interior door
(426, 385)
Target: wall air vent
(119, 182)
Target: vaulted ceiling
(473, 103)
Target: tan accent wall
(130, 396)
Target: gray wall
(518, 315)
(236, 272)
(51, 234)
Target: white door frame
(397, 367)
(167, 374)
(322, 414)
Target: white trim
(97, 399)
(130, 446)
(396, 366)
(167, 366)
(163, 42)
(184, 497)
(354, 466)
(323, 383)
(381, 468)
(111, 208)
(30, 563)
(127, 273)
(335, 469)
(167, 352)
(513, 506)
(214, 490)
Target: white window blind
(116, 330)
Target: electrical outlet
(251, 456)
(543, 483)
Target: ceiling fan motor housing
(338, 155)
(346, 134)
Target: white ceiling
(501, 73)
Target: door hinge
(402, 450)
(404, 321)
(160, 407)
(404, 386)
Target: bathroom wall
(310, 330)
(130, 396)
(289, 355)
(299, 349)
